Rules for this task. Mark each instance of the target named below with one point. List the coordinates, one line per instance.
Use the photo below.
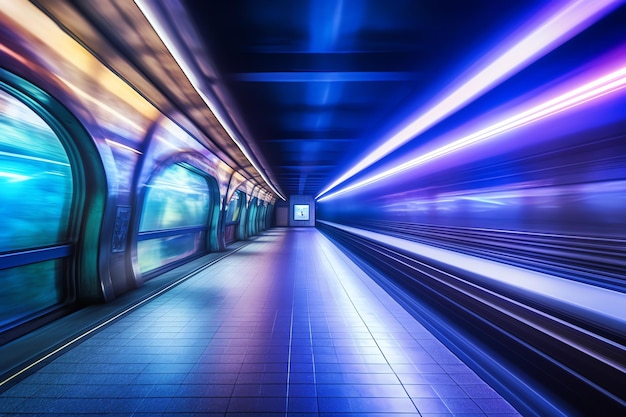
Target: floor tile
(288, 326)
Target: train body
(106, 182)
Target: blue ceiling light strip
(559, 24)
(609, 83)
(322, 76)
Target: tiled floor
(286, 326)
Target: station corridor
(286, 325)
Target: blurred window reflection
(155, 253)
(176, 199)
(30, 288)
(233, 210)
(35, 180)
(252, 216)
(36, 191)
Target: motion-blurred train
(110, 173)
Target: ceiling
(318, 83)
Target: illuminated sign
(301, 212)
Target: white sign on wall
(301, 212)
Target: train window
(174, 218)
(252, 217)
(36, 192)
(233, 210)
(35, 180)
(158, 252)
(177, 197)
(30, 288)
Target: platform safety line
(289, 363)
(120, 314)
(347, 261)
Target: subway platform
(286, 325)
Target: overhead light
(122, 146)
(567, 21)
(162, 33)
(598, 88)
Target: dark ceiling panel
(318, 82)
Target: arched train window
(174, 218)
(36, 192)
(233, 210)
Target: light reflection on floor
(294, 328)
